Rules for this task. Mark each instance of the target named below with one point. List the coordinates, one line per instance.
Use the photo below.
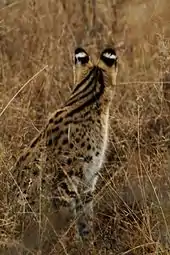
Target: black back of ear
(81, 56)
(108, 56)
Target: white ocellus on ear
(81, 56)
(108, 56)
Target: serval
(61, 165)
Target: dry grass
(37, 39)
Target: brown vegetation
(37, 39)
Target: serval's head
(84, 65)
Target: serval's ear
(109, 58)
(82, 64)
(81, 57)
(108, 63)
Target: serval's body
(62, 164)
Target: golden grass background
(37, 41)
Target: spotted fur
(61, 165)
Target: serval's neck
(90, 94)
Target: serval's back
(61, 165)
